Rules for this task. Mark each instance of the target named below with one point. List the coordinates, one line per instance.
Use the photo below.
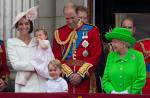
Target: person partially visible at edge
(142, 46)
(82, 13)
(78, 46)
(55, 82)
(4, 70)
(125, 71)
(20, 51)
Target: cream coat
(20, 55)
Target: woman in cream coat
(20, 51)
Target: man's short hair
(81, 8)
(69, 5)
(128, 18)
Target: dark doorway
(105, 9)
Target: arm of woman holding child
(17, 64)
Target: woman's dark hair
(31, 25)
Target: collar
(128, 55)
(80, 24)
(18, 42)
(57, 80)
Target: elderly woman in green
(125, 71)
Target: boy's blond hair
(55, 64)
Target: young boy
(55, 82)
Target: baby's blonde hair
(42, 29)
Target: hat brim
(26, 13)
(109, 36)
(18, 17)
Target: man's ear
(46, 37)
(61, 72)
(134, 29)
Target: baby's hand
(38, 39)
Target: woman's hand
(2, 84)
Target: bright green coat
(128, 73)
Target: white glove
(114, 92)
(124, 92)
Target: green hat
(121, 34)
